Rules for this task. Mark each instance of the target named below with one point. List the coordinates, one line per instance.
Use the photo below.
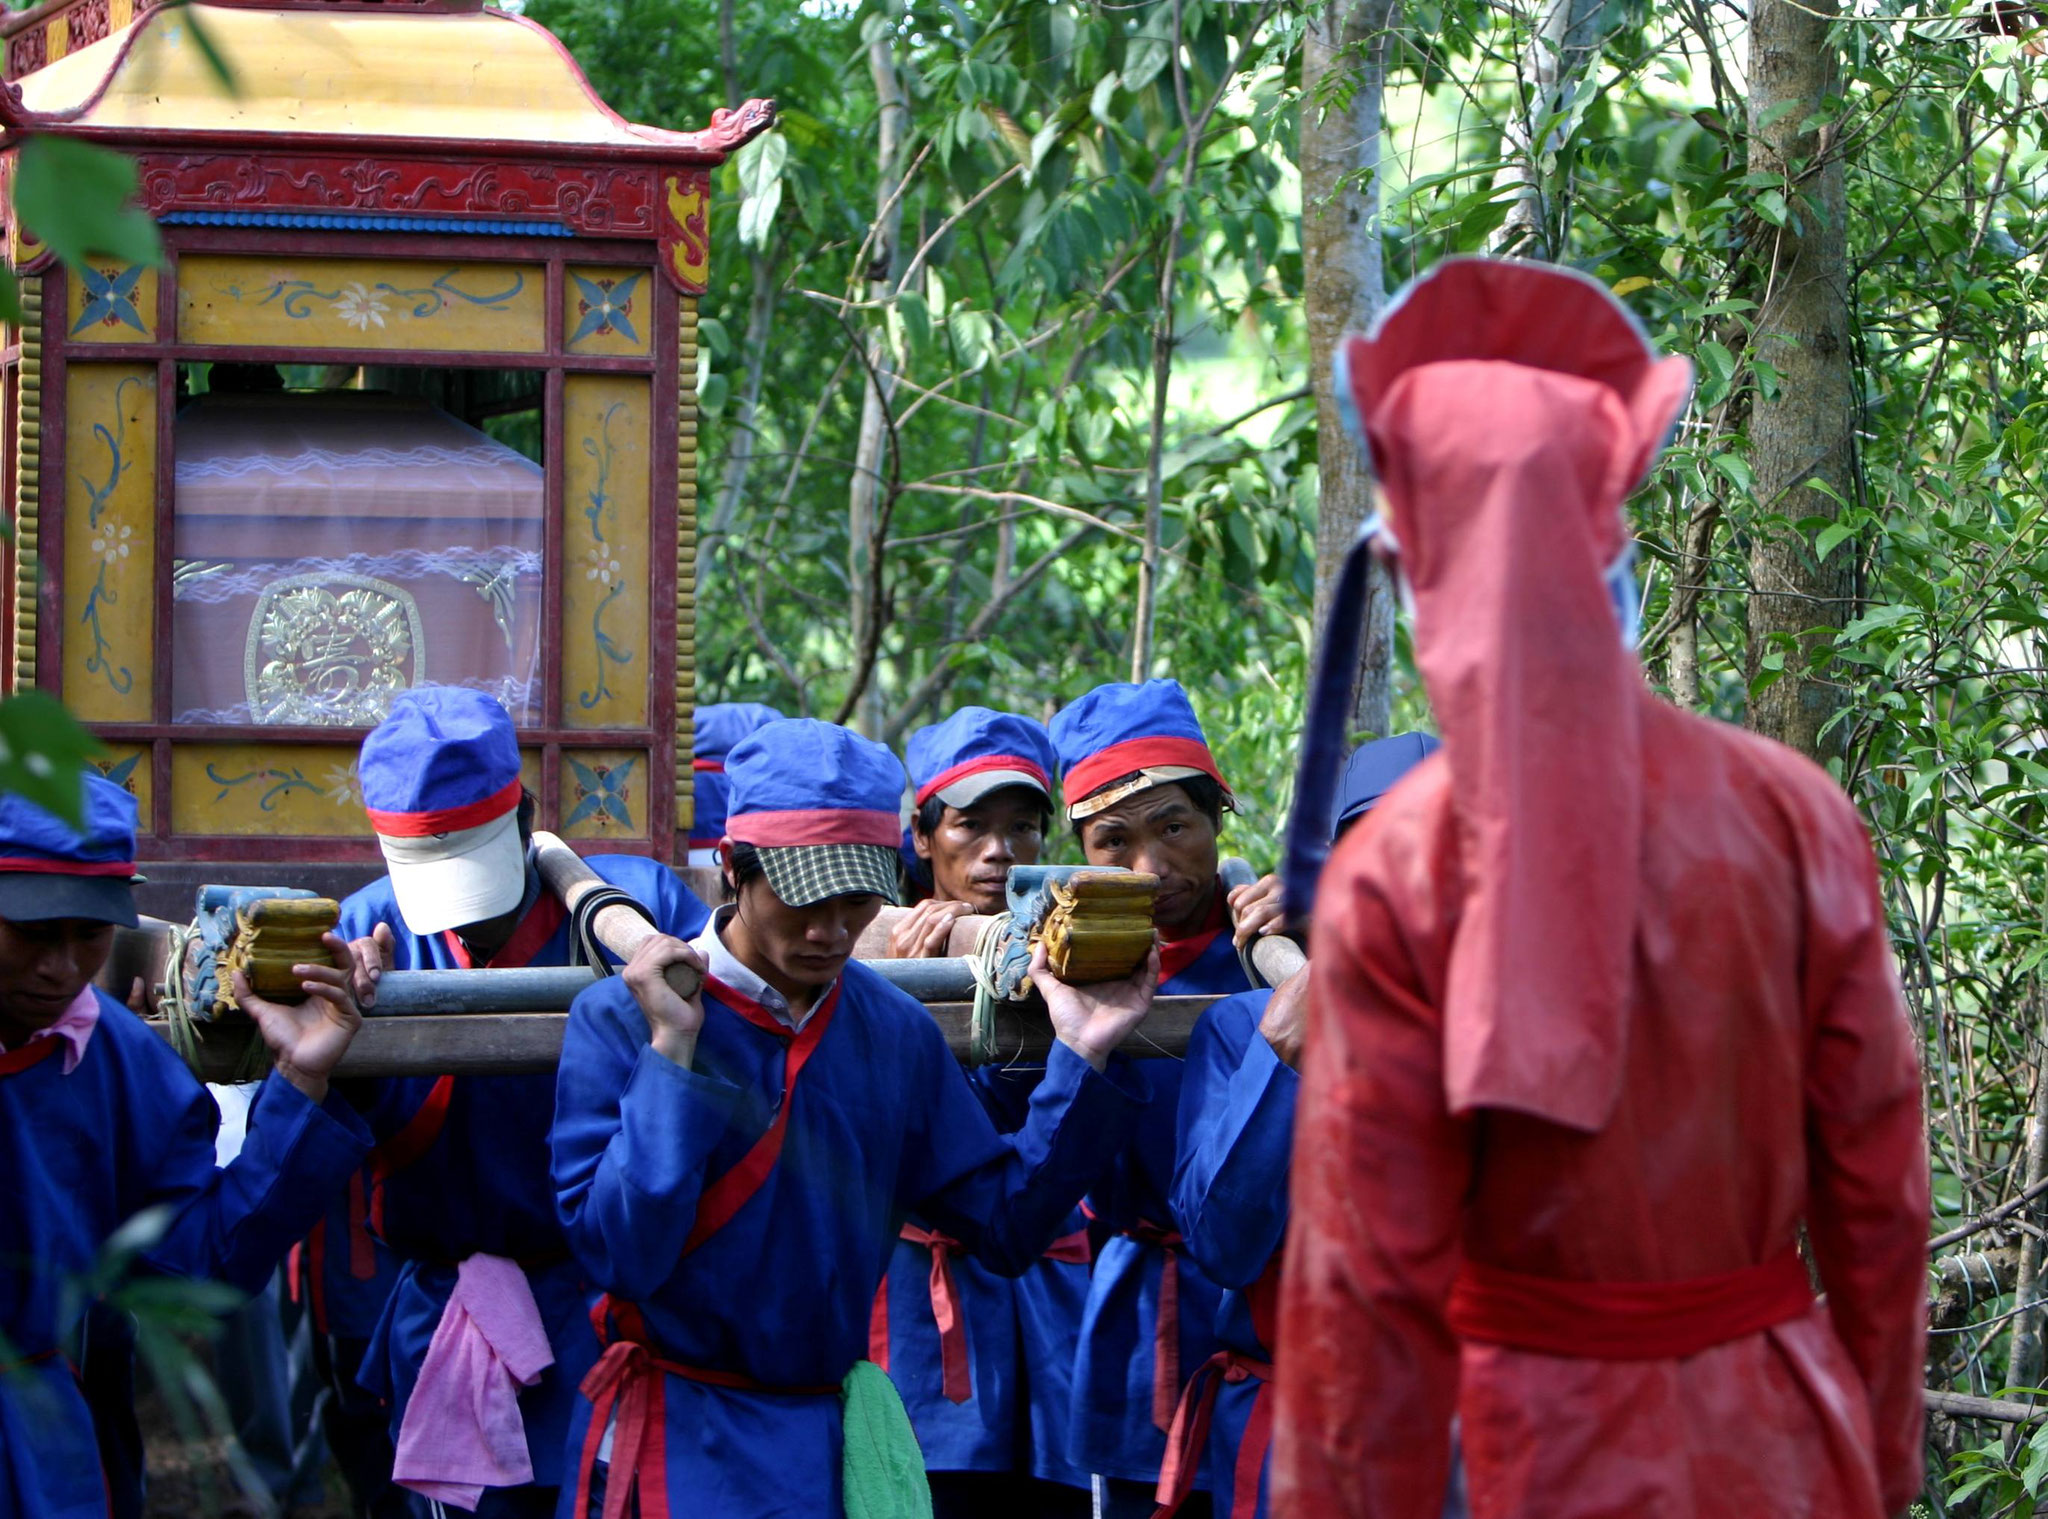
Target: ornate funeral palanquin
(412, 399)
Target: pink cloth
(462, 1430)
(74, 1026)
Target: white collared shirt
(722, 964)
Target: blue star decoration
(110, 298)
(606, 306)
(601, 793)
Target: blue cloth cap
(1146, 730)
(821, 805)
(1371, 772)
(716, 729)
(976, 751)
(48, 869)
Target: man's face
(799, 948)
(44, 965)
(973, 848)
(1161, 831)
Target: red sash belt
(628, 1396)
(955, 1375)
(35, 1052)
(1626, 1321)
(1189, 1436)
(1166, 1322)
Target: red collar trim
(1176, 955)
(535, 929)
(766, 1021)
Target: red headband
(986, 763)
(715, 765)
(421, 825)
(815, 825)
(1134, 754)
(20, 864)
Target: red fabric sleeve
(1866, 1143)
(1368, 1367)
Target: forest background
(1016, 380)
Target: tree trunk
(746, 410)
(1807, 432)
(1564, 42)
(1344, 285)
(863, 522)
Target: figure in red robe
(1604, 1012)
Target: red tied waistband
(1626, 1321)
(627, 1395)
(1189, 1436)
(1166, 1321)
(955, 1373)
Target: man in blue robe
(100, 1121)
(1143, 792)
(1230, 1195)
(734, 1169)
(461, 1166)
(985, 1362)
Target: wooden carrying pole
(618, 928)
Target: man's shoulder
(882, 1002)
(370, 905)
(650, 881)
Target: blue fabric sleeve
(632, 1139)
(1236, 1136)
(1013, 1196)
(236, 1224)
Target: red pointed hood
(1510, 407)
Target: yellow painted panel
(383, 303)
(280, 789)
(128, 765)
(608, 311)
(605, 793)
(109, 540)
(113, 303)
(604, 552)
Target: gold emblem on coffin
(330, 650)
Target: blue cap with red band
(820, 805)
(800, 781)
(441, 784)
(1147, 731)
(48, 869)
(444, 758)
(717, 729)
(976, 751)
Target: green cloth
(882, 1472)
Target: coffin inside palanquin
(334, 548)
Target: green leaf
(10, 304)
(1771, 207)
(971, 332)
(760, 173)
(43, 752)
(1831, 537)
(1733, 467)
(1149, 49)
(75, 197)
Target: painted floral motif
(604, 307)
(602, 512)
(344, 785)
(110, 541)
(110, 298)
(275, 784)
(603, 794)
(359, 306)
(120, 772)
